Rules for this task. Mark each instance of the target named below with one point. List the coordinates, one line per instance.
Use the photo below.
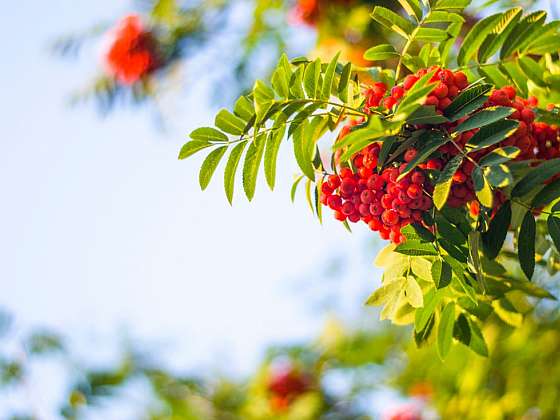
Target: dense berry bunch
(377, 198)
(449, 86)
(523, 138)
(385, 204)
(287, 385)
(132, 53)
(548, 140)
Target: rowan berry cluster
(378, 198)
(387, 205)
(287, 385)
(449, 86)
(132, 52)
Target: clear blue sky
(104, 232)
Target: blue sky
(105, 233)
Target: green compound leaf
(553, 223)
(251, 165)
(329, 77)
(193, 146)
(467, 101)
(441, 273)
(445, 330)
(492, 134)
(208, 134)
(526, 244)
(393, 21)
(493, 239)
(547, 195)
(482, 188)
(536, 177)
(273, 142)
(485, 117)
(229, 123)
(231, 169)
(311, 78)
(444, 181)
(381, 52)
(209, 166)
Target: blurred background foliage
(346, 370)
(184, 31)
(337, 375)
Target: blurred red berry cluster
(132, 53)
(309, 11)
(286, 385)
(385, 204)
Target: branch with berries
(457, 168)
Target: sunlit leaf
(381, 52)
(231, 168)
(209, 166)
(392, 21)
(445, 330)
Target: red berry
(389, 102)
(444, 103)
(375, 182)
(346, 173)
(440, 91)
(333, 181)
(404, 198)
(364, 172)
(409, 81)
(367, 196)
(326, 189)
(528, 115)
(434, 164)
(334, 202)
(364, 210)
(418, 178)
(370, 160)
(347, 208)
(347, 185)
(384, 233)
(414, 191)
(461, 80)
(354, 217)
(426, 203)
(532, 101)
(452, 91)
(376, 208)
(510, 91)
(359, 161)
(395, 237)
(397, 92)
(410, 154)
(474, 208)
(432, 100)
(403, 210)
(387, 201)
(390, 217)
(447, 77)
(339, 216)
(459, 177)
(375, 224)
